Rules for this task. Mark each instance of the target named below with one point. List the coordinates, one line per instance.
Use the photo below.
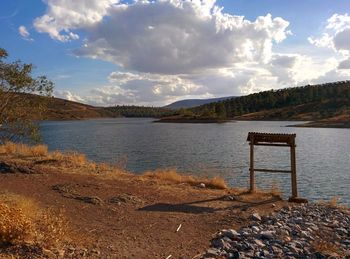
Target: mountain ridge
(190, 103)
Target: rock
(234, 255)
(342, 231)
(267, 234)
(95, 251)
(255, 229)
(221, 243)
(93, 200)
(126, 198)
(212, 252)
(259, 242)
(201, 185)
(48, 253)
(290, 233)
(230, 198)
(6, 168)
(256, 217)
(230, 233)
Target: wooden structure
(275, 140)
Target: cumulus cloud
(336, 37)
(63, 16)
(68, 95)
(167, 50)
(176, 37)
(22, 30)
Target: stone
(259, 242)
(230, 233)
(234, 255)
(201, 185)
(342, 231)
(220, 243)
(212, 252)
(93, 200)
(255, 228)
(267, 234)
(256, 217)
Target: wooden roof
(258, 137)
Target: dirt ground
(135, 217)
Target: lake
(323, 155)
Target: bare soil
(134, 217)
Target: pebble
(290, 232)
(256, 217)
(201, 185)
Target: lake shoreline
(155, 210)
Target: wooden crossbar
(272, 145)
(272, 170)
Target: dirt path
(131, 217)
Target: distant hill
(189, 103)
(323, 102)
(327, 105)
(61, 109)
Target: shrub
(22, 220)
(15, 226)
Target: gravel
(299, 231)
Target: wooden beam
(252, 181)
(273, 171)
(272, 145)
(294, 172)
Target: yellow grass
(22, 220)
(78, 163)
(173, 176)
(333, 203)
(15, 226)
(11, 148)
(328, 249)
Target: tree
(220, 110)
(18, 106)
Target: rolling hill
(325, 104)
(189, 103)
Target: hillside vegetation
(310, 102)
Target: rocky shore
(299, 231)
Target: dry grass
(78, 163)
(15, 226)
(22, 150)
(275, 190)
(23, 221)
(333, 203)
(328, 249)
(171, 175)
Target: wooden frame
(275, 140)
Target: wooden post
(294, 172)
(252, 180)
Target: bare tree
(19, 108)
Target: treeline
(140, 111)
(335, 96)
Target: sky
(111, 52)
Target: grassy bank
(61, 205)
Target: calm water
(323, 155)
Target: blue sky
(109, 52)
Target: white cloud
(167, 50)
(22, 30)
(63, 16)
(186, 37)
(336, 36)
(65, 94)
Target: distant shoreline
(192, 120)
